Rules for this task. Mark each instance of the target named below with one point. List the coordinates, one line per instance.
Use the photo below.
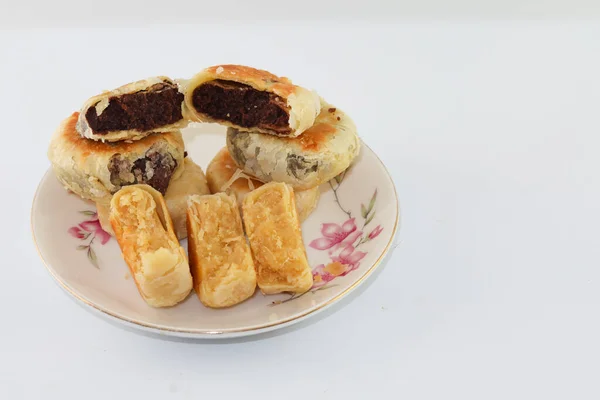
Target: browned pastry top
(320, 133)
(240, 73)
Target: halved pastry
(133, 111)
(96, 170)
(220, 259)
(192, 181)
(274, 233)
(321, 153)
(144, 231)
(223, 175)
(250, 99)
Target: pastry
(274, 234)
(96, 170)
(144, 231)
(133, 111)
(306, 202)
(251, 100)
(223, 175)
(220, 259)
(318, 155)
(192, 181)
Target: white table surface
(491, 131)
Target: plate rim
(200, 333)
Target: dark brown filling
(157, 106)
(155, 169)
(241, 105)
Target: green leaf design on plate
(82, 247)
(363, 211)
(88, 213)
(339, 178)
(370, 218)
(372, 202)
(92, 257)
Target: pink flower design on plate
(321, 277)
(88, 228)
(323, 274)
(94, 227)
(349, 257)
(78, 233)
(347, 261)
(341, 242)
(334, 234)
(375, 232)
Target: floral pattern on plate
(341, 241)
(89, 229)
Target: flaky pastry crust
(144, 230)
(220, 258)
(275, 238)
(221, 174)
(318, 155)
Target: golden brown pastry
(192, 181)
(144, 231)
(223, 175)
(274, 233)
(96, 170)
(250, 99)
(133, 111)
(220, 259)
(318, 155)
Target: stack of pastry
(283, 141)
(124, 151)
(277, 131)
(130, 135)
(124, 148)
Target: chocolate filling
(157, 106)
(242, 105)
(154, 169)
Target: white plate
(346, 238)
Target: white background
(487, 116)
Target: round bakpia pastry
(192, 181)
(318, 155)
(250, 99)
(223, 175)
(133, 111)
(96, 170)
